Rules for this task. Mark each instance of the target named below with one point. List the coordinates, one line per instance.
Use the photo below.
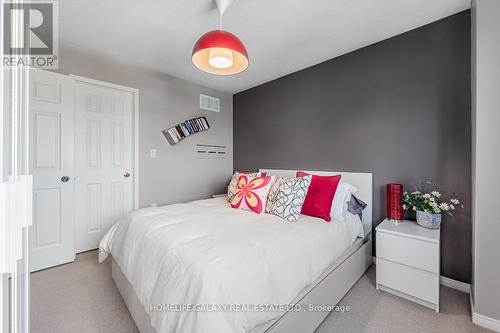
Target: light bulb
(220, 57)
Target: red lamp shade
(394, 205)
(220, 52)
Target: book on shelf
(193, 124)
(172, 133)
(188, 126)
(205, 122)
(184, 129)
(179, 131)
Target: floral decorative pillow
(233, 184)
(251, 193)
(287, 196)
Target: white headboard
(363, 181)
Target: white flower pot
(428, 220)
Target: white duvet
(206, 253)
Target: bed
(233, 270)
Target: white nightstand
(408, 262)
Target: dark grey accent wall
(399, 108)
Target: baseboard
(447, 282)
(483, 321)
(454, 284)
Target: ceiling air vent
(209, 103)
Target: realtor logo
(30, 34)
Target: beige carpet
(81, 297)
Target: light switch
(152, 153)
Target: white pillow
(342, 195)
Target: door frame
(135, 126)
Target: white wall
(176, 175)
(5, 161)
(486, 158)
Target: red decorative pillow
(233, 184)
(251, 193)
(320, 195)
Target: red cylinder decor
(394, 205)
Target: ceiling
(281, 36)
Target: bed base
(130, 298)
(329, 290)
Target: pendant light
(220, 52)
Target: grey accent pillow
(356, 206)
(286, 197)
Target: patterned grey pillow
(286, 197)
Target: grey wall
(399, 108)
(176, 175)
(486, 158)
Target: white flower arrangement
(429, 202)
(436, 194)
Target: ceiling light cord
(220, 22)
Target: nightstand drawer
(408, 251)
(408, 280)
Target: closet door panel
(103, 160)
(51, 157)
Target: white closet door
(104, 152)
(52, 167)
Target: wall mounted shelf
(181, 131)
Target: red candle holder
(394, 205)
